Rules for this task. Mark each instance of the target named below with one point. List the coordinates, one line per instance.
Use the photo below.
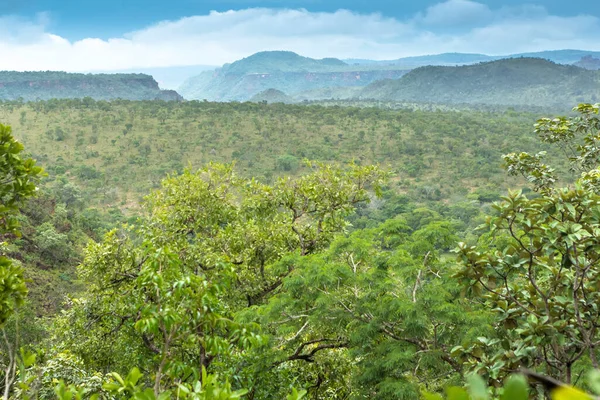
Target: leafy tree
(168, 292)
(18, 178)
(538, 268)
(516, 388)
(382, 301)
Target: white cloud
(456, 13)
(18, 30)
(216, 38)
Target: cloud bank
(220, 37)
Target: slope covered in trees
(31, 86)
(273, 278)
(521, 81)
(305, 78)
(227, 287)
(116, 152)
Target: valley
(287, 227)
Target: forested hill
(520, 81)
(282, 70)
(119, 151)
(62, 85)
(281, 61)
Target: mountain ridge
(284, 71)
(45, 85)
(280, 61)
(565, 56)
(293, 74)
(512, 81)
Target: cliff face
(32, 86)
(224, 86)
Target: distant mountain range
(550, 78)
(525, 82)
(282, 70)
(31, 86)
(302, 78)
(516, 81)
(558, 56)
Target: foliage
(384, 295)
(539, 276)
(213, 244)
(337, 280)
(537, 266)
(18, 177)
(435, 155)
(576, 137)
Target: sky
(90, 35)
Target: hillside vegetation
(243, 271)
(521, 81)
(31, 86)
(515, 80)
(268, 278)
(116, 152)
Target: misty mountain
(588, 62)
(557, 56)
(513, 81)
(281, 61)
(281, 70)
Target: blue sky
(77, 19)
(83, 35)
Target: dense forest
(200, 250)
(118, 151)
